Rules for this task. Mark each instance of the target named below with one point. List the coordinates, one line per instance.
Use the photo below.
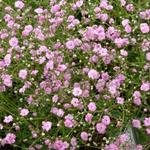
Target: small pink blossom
(23, 74)
(120, 100)
(148, 131)
(24, 112)
(38, 10)
(7, 81)
(8, 119)
(10, 138)
(70, 44)
(84, 136)
(137, 101)
(106, 120)
(77, 91)
(19, 4)
(147, 121)
(46, 125)
(148, 56)
(92, 106)
(101, 128)
(93, 74)
(13, 42)
(136, 123)
(145, 86)
(88, 117)
(144, 27)
(111, 147)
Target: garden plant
(74, 74)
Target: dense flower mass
(74, 74)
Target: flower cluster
(74, 73)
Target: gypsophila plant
(74, 74)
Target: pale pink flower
(19, 4)
(92, 106)
(46, 125)
(38, 10)
(136, 123)
(120, 100)
(8, 119)
(145, 86)
(7, 81)
(10, 138)
(148, 131)
(23, 74)
(24, 112)
(147, 121)
(70, 44)
(144, 27)
(13, 42)
(93, 74)
(148, 56)
(77, 91)
(106, 120)
(84, 136)
(101, 128)
(88, 117)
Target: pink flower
(111, 147)
(75, 102)
(128, 28)
(106, 120)
(24, 112)
(88, 117)
(55, 98)
(139, 147)
(93, 74)
(130, 7)
(145, 86)
(7, 80)
(10, 138)
(13, 42)
(8, 119)
(101, 128)
(77, 91)
(137, 101)
(137, 94)
(92, 106)
(123, 53)
(28, 28)
(103, 52)
(69, 122)
(73, 141)
(144, 27)
(136, 123)
(148, 131)
(125, 22)
(23, 74)
(60, 145)
(59, 112)
(7, 59)
(19, 4)
(123, 138)
(55, 8)
(120, 100)
(148, 56)
(38, 10)
(84, 136)
(70, 44)
(46, 125)
(147, 121)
